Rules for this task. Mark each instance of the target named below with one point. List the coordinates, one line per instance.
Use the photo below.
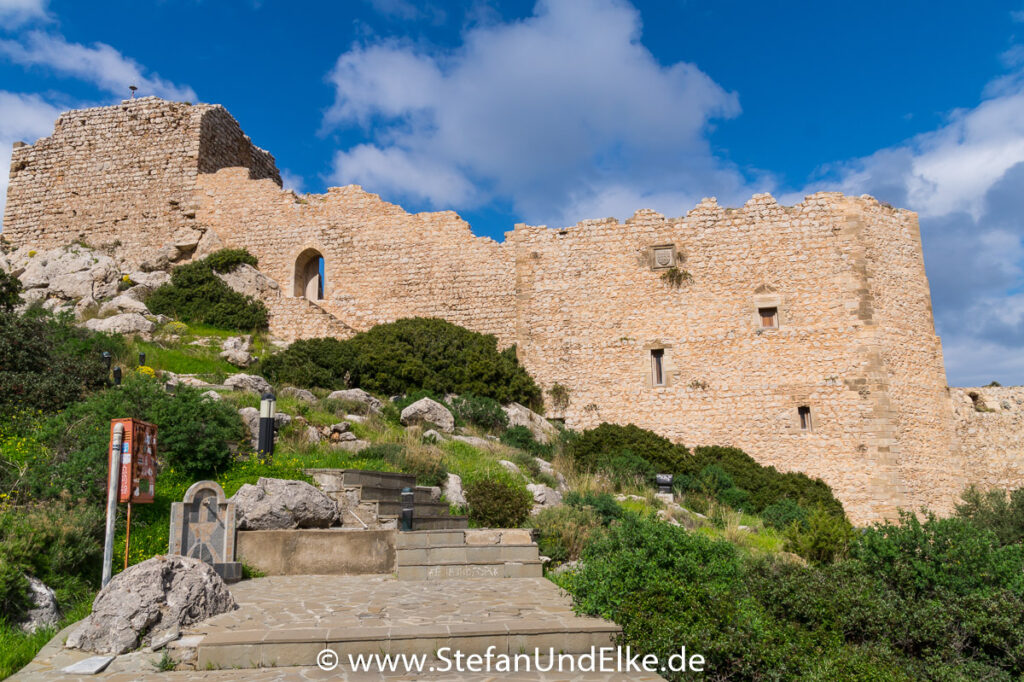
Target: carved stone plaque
(203, 527)
(664, 257)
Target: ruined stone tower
(802, 334)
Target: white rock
(212, 395)
(275, 503)
(248, 281)
(544, 496)
(520, 415)
(153, 280)
(44, 612)
(248, 382)
(127, 323)
(430, 411)
(298, 393)
(509, 465)
(473, 440)
(123, 304)
(452, 490)
(357, 395)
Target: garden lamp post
(107, 358)
(664, 482)
(265, 440)
(117, 376)
(142, 359)
(407, 508)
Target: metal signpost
(131, 479)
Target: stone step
(369, 492)
(420, 509)
(469, 554)
(266, 648)
(474, 536)
(437, 523)
(331, 480)
(459, 570)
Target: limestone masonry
(802, 334)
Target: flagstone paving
(283, 620)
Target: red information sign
(138, 460)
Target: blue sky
(554, 111)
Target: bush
(784, 513)
(824, 538)
(522, 438)
(195, 435)
(196, 295)
(47, 363)
(406, 356)
(564, 530)
(227, 260)
(498, 502)
(766, 485)
(485, 413)
(995, 510)
(611, 445)
(10, 292)
(603, 503)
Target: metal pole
(127, 534)
(112, 488)
(408, 497)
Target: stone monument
(203, 527)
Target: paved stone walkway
(283, 618)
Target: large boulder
(427, 411)
(248, 382)
(70, 272)
(248, 281)
(126, 323)
(123, 304)
(298, 393)
(520, 415)
(358, 395)
(544, 496)
(274, 504)
(237, 350)
(44, 612)
(149, 599)
(152, 280)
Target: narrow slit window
(769, 317)
(658, 366)
(805, 418)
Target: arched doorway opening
(309, 275)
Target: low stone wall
(989, 425)
(317, 552)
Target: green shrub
(10, 292)
(498, 502)
(227, 260)
(405, 356)
(784, 513)
(195, 435)
(995, 510)
(603, 503)
(47, 363)
(564, 530)
(196, 295)
(608, 445)
(824, 538)
(485, 413)
(766, 485)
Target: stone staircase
(476, 553)
(372, 500)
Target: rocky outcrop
(69, 273)
(126, 323)
(274, 504)
(358, 395)
(237, 350)
(248, 382)
(452, 490)
(543, 496)
(44, 612)
(149, 599)
(510, 466)
(123, 304)
(541, 428)
(298, 393)
(427, 411)
(248, 281)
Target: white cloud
(406, 10)
(99, 64)
(292, 181)
(565, 115)
(14, 13)
(23, 118)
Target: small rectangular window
(769, 317)
(658, 366)
(805, 418)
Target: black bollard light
(117, 376)
(265, 440)
(107, 358)
(407, 506)
(142, 359)
(664, 482)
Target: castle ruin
(802, 334)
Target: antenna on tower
(133, 89)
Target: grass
(17, 648)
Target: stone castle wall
(588, 306)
